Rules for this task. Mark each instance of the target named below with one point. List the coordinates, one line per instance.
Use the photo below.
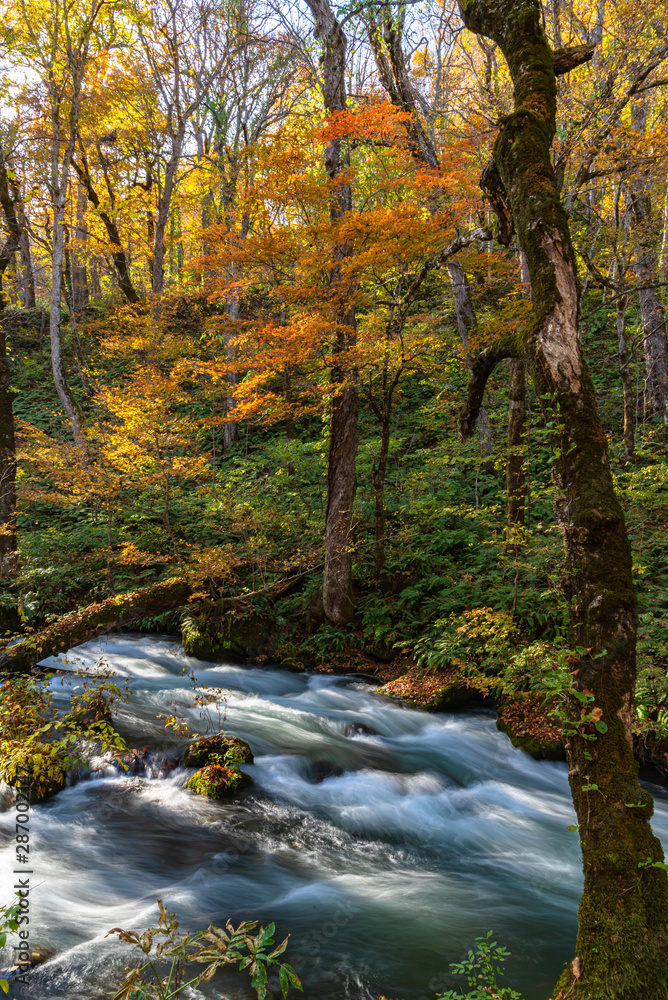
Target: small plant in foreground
(214, 947)
(481, 968)
(9, 922)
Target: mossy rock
(535, 746)
(218, 782)
(246, 638)
(216, 749)
(210, 635)
(199, 638)
(41, 766)
(431, 692)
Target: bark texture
(337, 591)
(622, 943)
(467, 325)
(27, 283)
(79, 269)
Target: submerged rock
(322, 769)
(152, 764)
(218, 782)
(360, 729)
(26, 960)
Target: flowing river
(383, 856)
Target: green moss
(218, 782)
(221, 748)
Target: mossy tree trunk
(337, 591)
(622, 943)
(94, 620)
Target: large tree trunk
(341, 478)
(622, 943)
(341, 486)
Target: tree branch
(567, 59)
(481, 369)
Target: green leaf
(602, 727)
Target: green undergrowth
(39, 741)
(255, 514)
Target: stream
(383, 856)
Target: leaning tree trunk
(91, 621)
(337, 590)
(622, 943)
(119, 256)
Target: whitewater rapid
(383, 856)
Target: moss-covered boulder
(211, 634)
(201, 637)
(36, 771)
(218, 782)
(525, 722)
(432, 690)
(218, 749)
